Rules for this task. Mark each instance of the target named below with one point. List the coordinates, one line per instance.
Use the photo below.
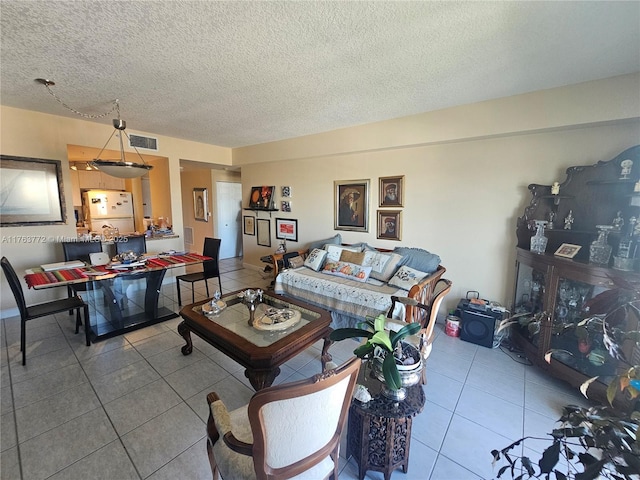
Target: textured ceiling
(243, 73)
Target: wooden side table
(379, 431)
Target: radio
(479, 319)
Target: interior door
(229, 213)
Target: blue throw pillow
(335, 240)
(418, 258)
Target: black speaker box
(477, 326)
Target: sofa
(357, 281)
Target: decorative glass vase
(600, 250)
(539, 241)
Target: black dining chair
(41, 309)
(135, 243)
(210, 269)
(79, 251)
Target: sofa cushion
(383, 265)
(352, 257)
(315, 259)
(335, 240)
(334, 252)
(418, 259)
(347, 270)
(406, 277)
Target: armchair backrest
(16, 288)
(297, 425)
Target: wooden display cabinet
(560, 287)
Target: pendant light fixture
(120, 167)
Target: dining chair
(289, 430)
(135, 243)
(210, 269)
(79, 251)
(424, 337)
(42, 309)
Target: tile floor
(133, 407)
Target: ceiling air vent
(138, 141)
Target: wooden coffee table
(261, 352)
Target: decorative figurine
(568, 220)
(625, 169)
(636, 187)
(555, 188)
(552, 216)
(618, 222)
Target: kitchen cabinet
(558, 289)
(94, 179)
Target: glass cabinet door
(529, 298)
(576, 343)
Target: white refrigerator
(108, 208)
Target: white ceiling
(243, 73)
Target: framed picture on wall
(287, 229)
(262, 198)
(351, 205)
(389, 226)
(264, 232)
(249, 225)
(31, 192)
(200, 203)
(391, 191)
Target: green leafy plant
(378, 339)
(597, 442)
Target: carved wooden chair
(285, 431)
(426, 334)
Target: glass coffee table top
(235, 316)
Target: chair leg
(87, 324)
(23, 339)
(178, 287)
(70, 294)
(220, 283)
(193, 292)
(206, 283)
(78, 321)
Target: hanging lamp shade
(120, 168)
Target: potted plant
(399, 363)
(601, 441)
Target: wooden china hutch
(558, 288)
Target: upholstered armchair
(286, 431)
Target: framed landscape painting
(31, 190)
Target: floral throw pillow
(406, 277)
(315, 259)
(347, 270)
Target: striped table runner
(38, 278)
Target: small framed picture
(200, 204)
(264, 232)
(389, 224)
(286, 192)
(391, 191)
(286, 206)
(249, 225)
(567, 250)
(287, 229)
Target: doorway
(229, 214)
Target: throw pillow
(352, 257)
(347, 270)
(334, 252)
(296, 262)
(418, 258)
(406, 277)
(315, 259)
(383, 265)
(335, 240)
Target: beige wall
(30, 134)
(466, 173)
(464, 188)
